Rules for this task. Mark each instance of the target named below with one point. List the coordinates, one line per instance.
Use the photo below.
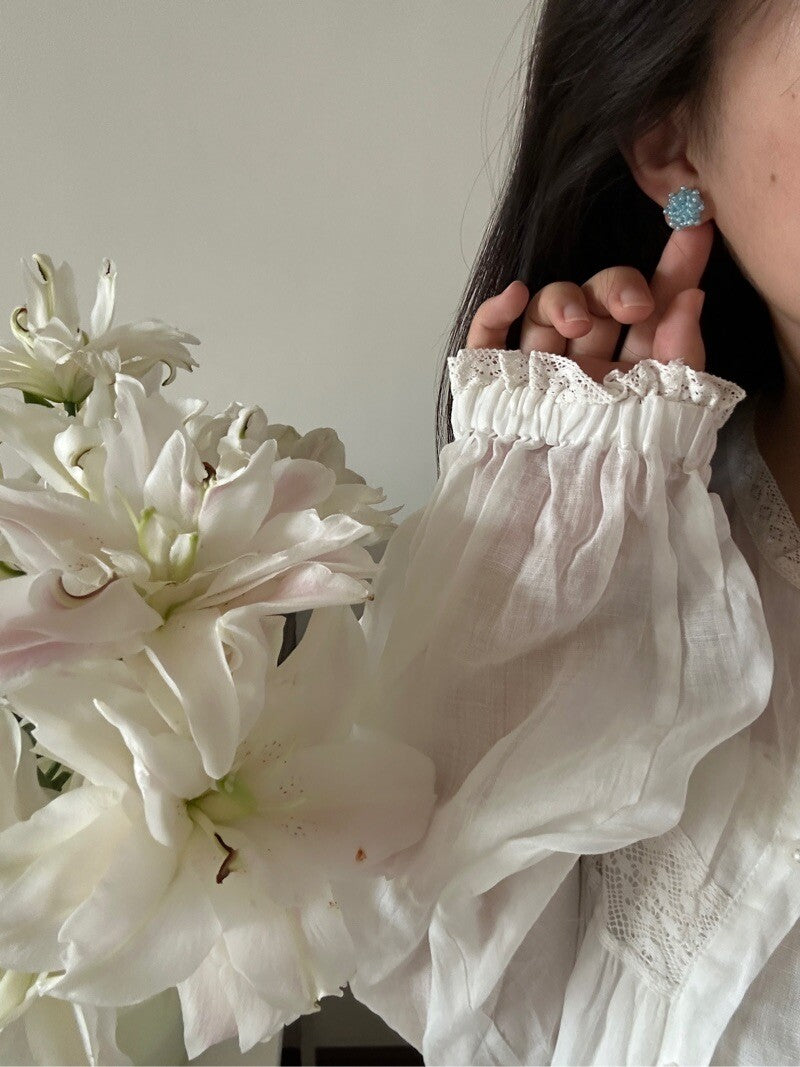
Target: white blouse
(594, 639)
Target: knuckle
(556, 290)
(561, 293)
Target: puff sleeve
(566, 628)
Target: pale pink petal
(305, 586)
(307, 533)
(41, 624)
(48, 529)
(352, 559)
(233, 510)
(282, 543)
(300, 484)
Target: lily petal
(103, 309)
(41, 624)
(174, 485)
(167, 768)
(262, 941)
(144, 928)
(206, 1008)
(283, 542)
(20, 792)
(30, 430)
(190, 654)
(60, 704)
(309, 698)
(233, 510)
(336, 829)
(143, 345)
(50, 292)
(134, 441)
(47, 529)
(48, 865)
(300, 484)
(308, 585)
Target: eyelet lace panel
(562, 379)
(763, 506)
(658, 905)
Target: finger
(680, 267)
(490, 324)
(555, 313)
(614, 296)
(678, 334)
(620, 292)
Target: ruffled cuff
(547, 397)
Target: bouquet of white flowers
(181, 791)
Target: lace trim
(763, 506)
(562, 378)
(658, 905)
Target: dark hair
(599, 75)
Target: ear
(660, 164)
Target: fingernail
(574, 313)
(630, 298)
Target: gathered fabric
(571, 630)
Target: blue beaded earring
(684, 208)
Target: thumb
(678, 333)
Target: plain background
(302, 184)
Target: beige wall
(300, 183)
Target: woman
(588, 627)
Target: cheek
(757, 208)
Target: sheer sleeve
(566, 628)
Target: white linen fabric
(694, 934)
(569, 629)
(765, 1027)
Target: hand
(663, 318)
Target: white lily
(350, 493)
(54, 358)
(151, 873)
(141, 540)
(36, 1028)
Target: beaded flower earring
(684, 208)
